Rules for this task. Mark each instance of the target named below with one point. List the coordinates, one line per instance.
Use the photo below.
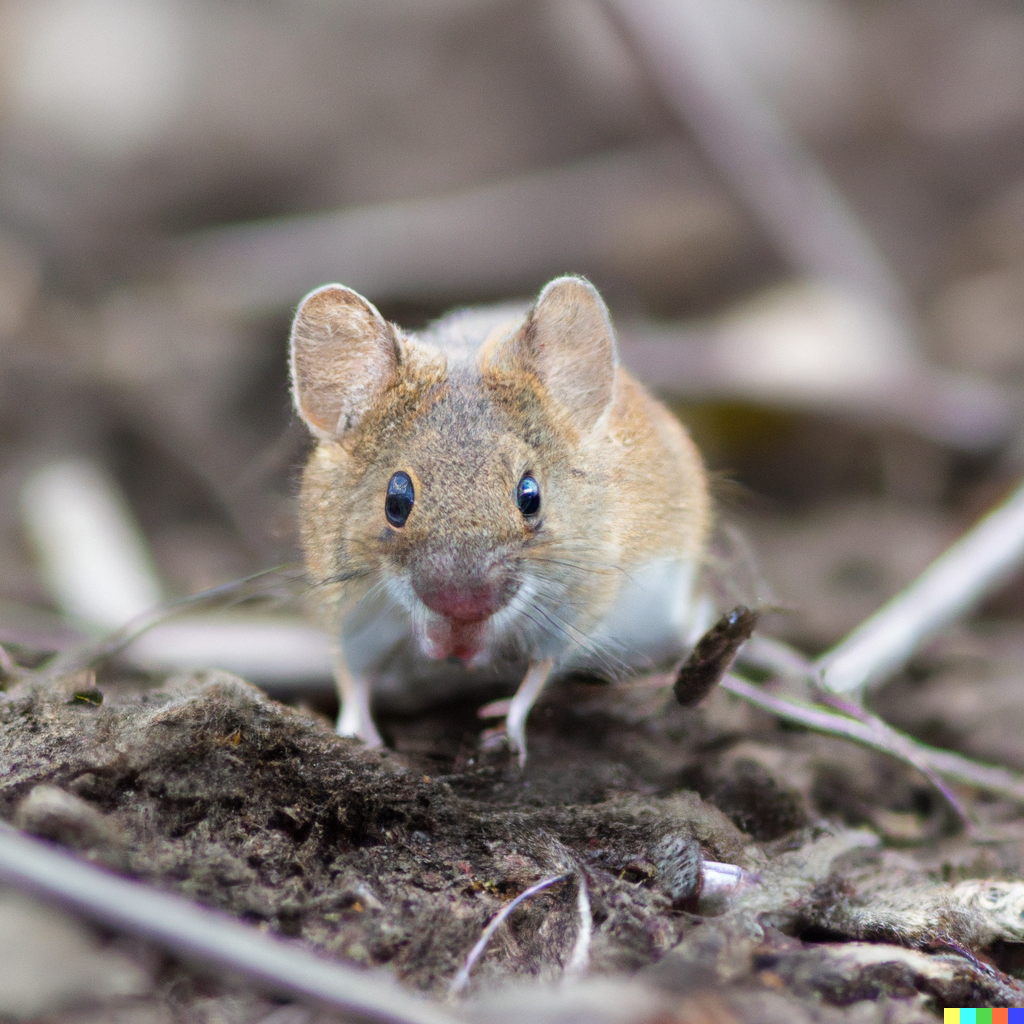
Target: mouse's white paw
(354, 720)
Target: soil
(398, 858)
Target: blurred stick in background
(205, 937)
(683, 45)
(499, 239)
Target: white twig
(224, 595)
(580, 956)
(884, 738)
(990, 778)
(205, 937)
(776, 657)
(461, 980)
(953, 584)
(720, 880)
(7, 666)
(501, 237)
(99, 570)
(900, 745)
(92, 553)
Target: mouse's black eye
(528, 496)
(400, 496)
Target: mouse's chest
(654, 619)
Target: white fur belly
(655, 620)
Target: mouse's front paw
(516, 732)
(495, 738)
(500, 737)
(360, 726)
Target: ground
(397, 859)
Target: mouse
(491, 497)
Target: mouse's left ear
(568, 343)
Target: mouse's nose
(461, 603)
(467, 587)
(464, 584)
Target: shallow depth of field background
(176, 174)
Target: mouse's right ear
(343, 355)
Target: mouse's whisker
(519, 607)
(564, 628)
(346, 576)
(593, 567)
(604, 650)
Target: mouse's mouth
(464, 624)
(467, 642)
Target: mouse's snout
(462, 603)
(459, 593)
(463, 594)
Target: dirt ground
(398, 859)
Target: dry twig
(580, 956)
(88, 654)
(204, 937)
(8, 669)
(950, 586)
(682, 44)
(876, 734)
(953, 584)
(494, 239)
(461, 980)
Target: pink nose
(462, 605)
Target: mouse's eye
(400, 496)
(528, 496)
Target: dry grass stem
(953, 584)
(497, 238)
(89, 654)
(579, 959)
(204, 937)
(461, 980)
(7, 667)
(873, 732)
(684, 47)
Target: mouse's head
(461, 472)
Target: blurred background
(807, 217)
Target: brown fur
(621, 482)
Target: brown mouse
(492, 495)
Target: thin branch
(88, 654)
(494, 239)
(684, 46)
(776, 657)
(204, 937)
(682, 43)
(91, 550)
(8, 669)
(953, 584)
(882, 737)
(902, 746)
(780, 659)
(580, 956)
(990, 778)
(720, 880)
(461, 980)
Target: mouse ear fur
(343, 354)
(568, 343)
